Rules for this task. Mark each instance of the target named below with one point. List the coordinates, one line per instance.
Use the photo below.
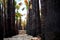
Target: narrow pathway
(22, 36)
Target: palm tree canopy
(17, 7)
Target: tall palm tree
(33, 25)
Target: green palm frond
(18, 15)
(17, 7)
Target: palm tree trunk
(1, 27)
(34, 25)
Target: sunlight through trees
(21, 8)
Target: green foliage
(0, 0)
(14, 2)
(27, 6)
(17, 7)
(18, 15)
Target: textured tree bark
(34, 25)
(50, 11)
(10, 28)
(1, 27)
(43, 15)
